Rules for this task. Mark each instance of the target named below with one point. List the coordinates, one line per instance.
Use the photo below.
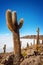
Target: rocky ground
(30, 57)
(33, 60)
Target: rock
(35, 60)
(8, 60)
(1, 64)
(0, 57)
(42, 53)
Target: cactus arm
(9, 20)
(14, 17)
(14, 20)
(9, 27)
(21, 23)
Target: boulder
(35, 60)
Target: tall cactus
(37, 43)
(38, 35)
(14, 28)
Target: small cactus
(31, 43)
(27, 45)
(34, 42)
(4, 48)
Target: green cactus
(12, 24)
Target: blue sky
(30, 10)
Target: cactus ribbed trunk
(17, 46)
(42, 41)
(37, 43)
(37, 38)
